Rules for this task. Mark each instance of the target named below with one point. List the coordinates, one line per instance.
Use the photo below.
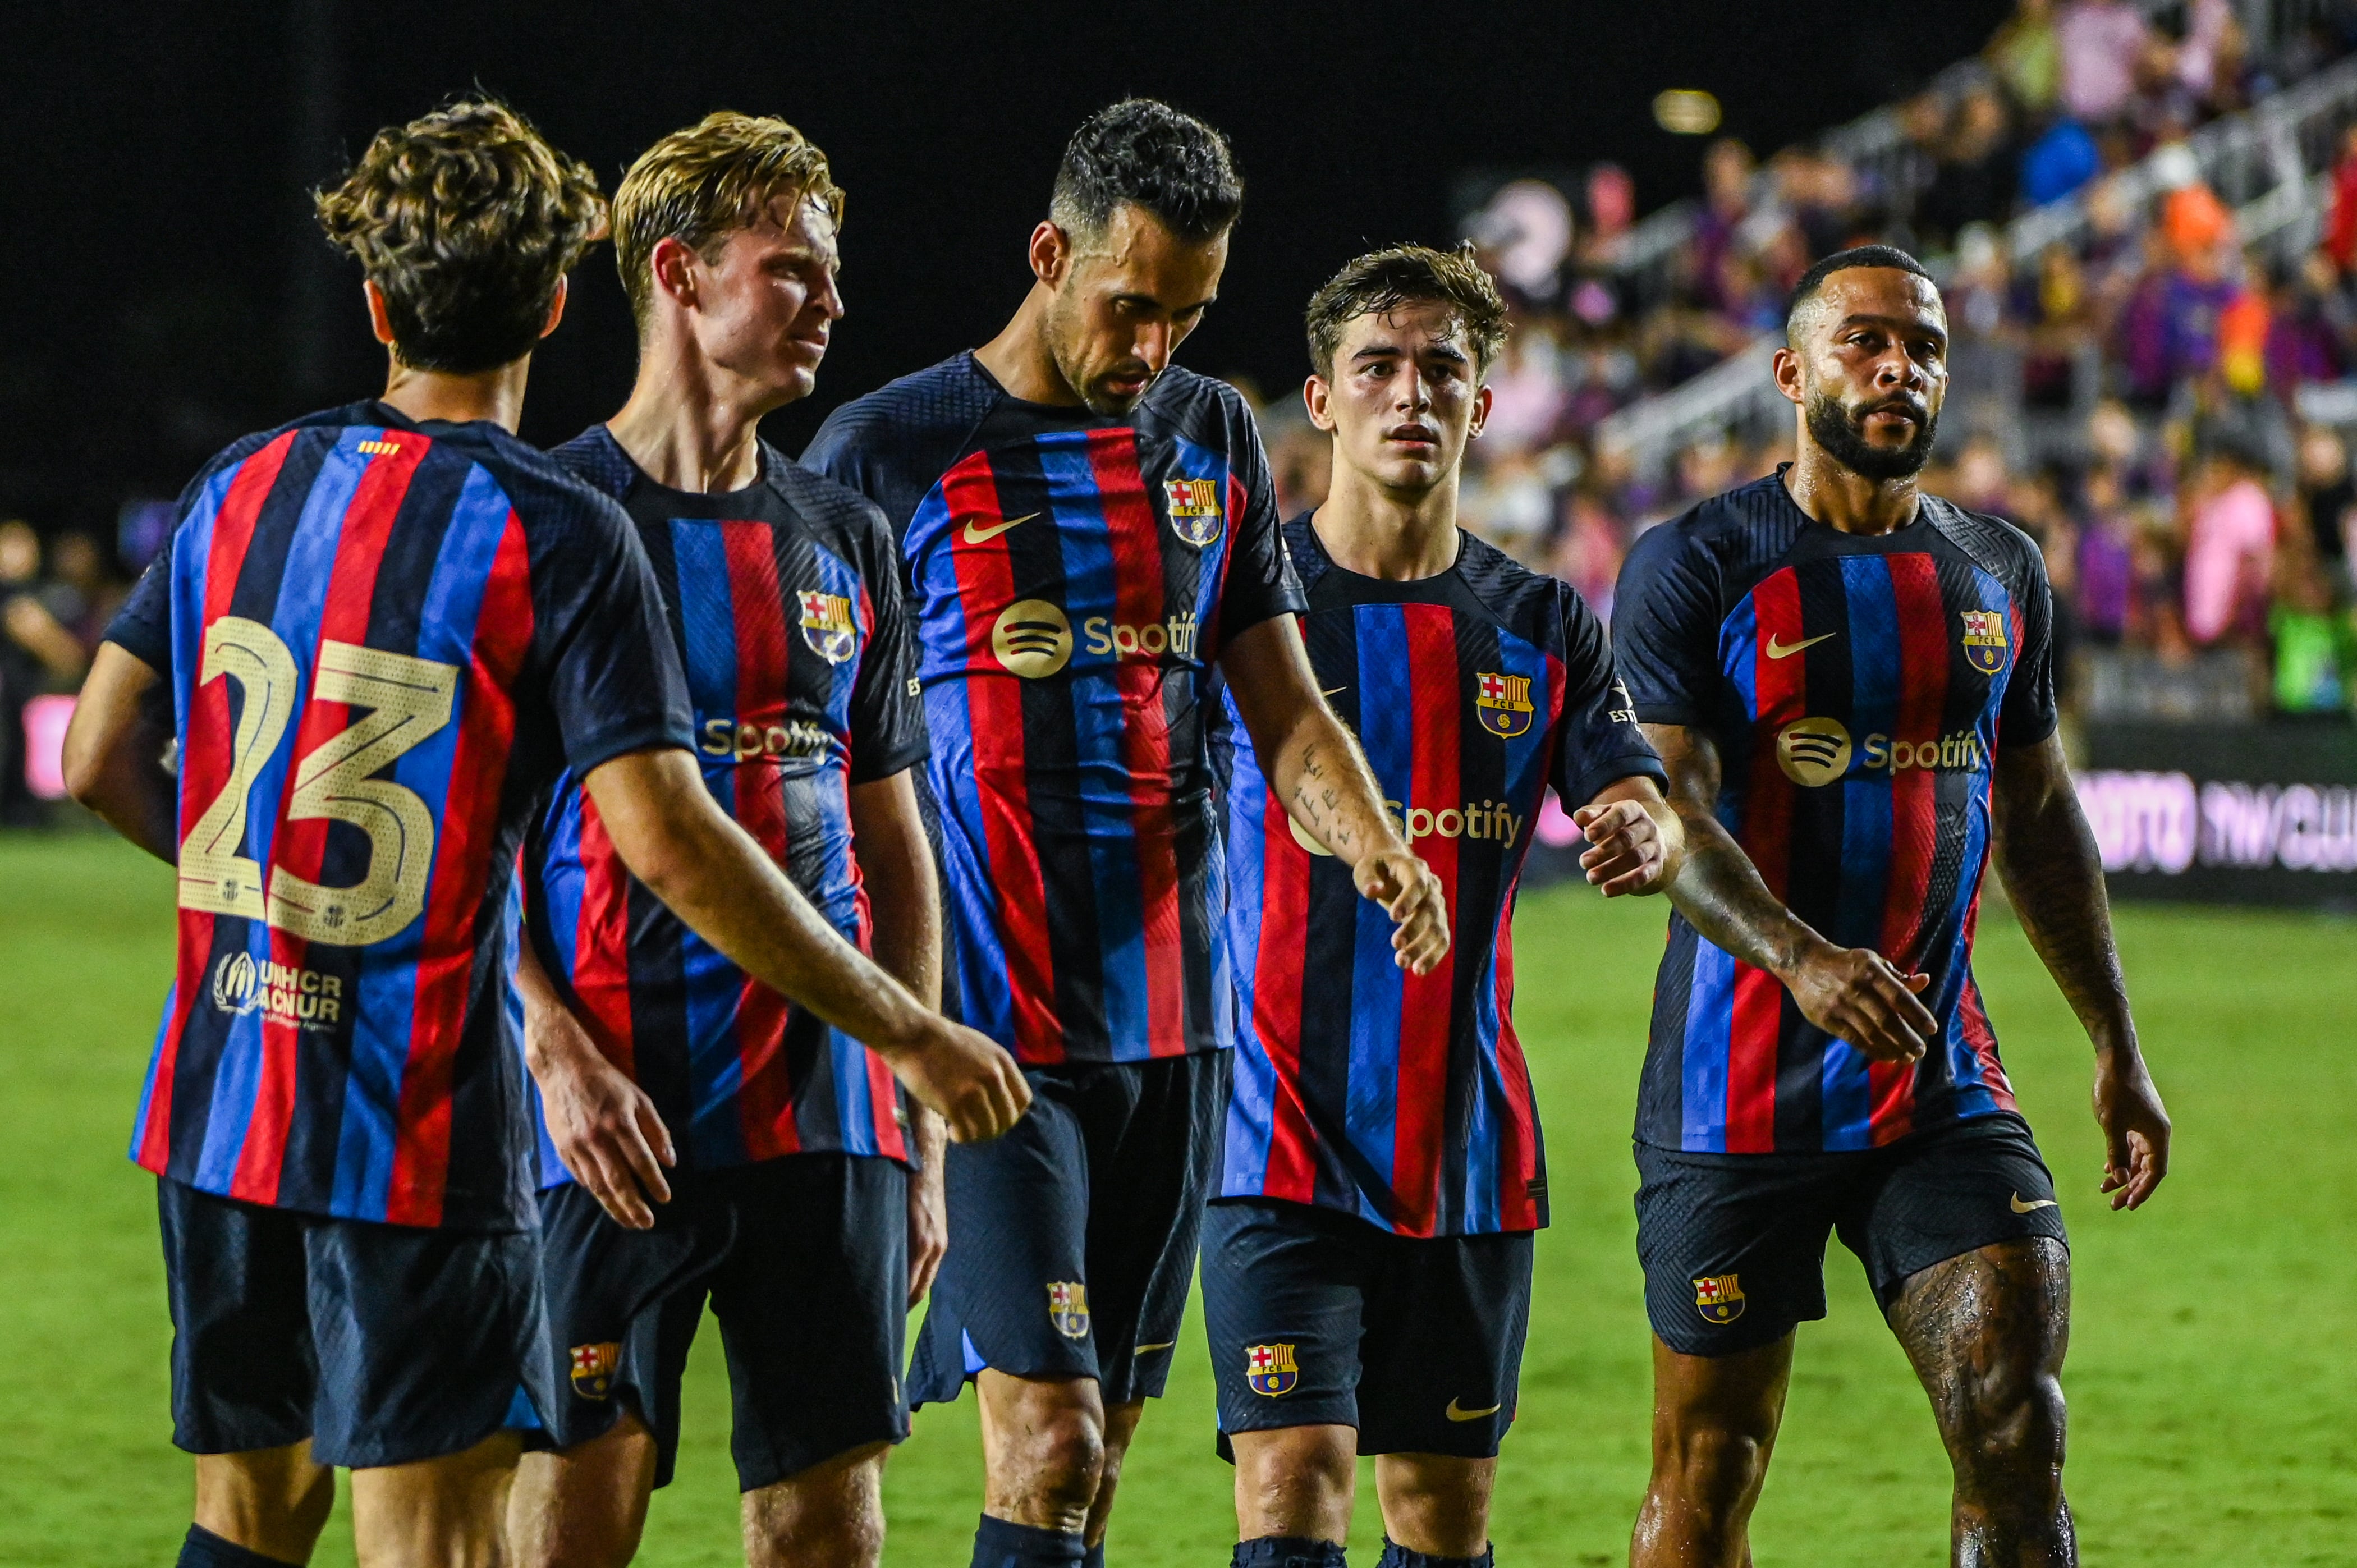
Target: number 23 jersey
(383, 639)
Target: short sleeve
(1665, 616)
(1260, 585)
(2030, 712)
(1597, 740)
(142, 626)
(614, 684)
(888, 714)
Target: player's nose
(1152, 345)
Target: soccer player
(378, 633)
(1852, 685)
(791, 1206)
(1367, 1256)
(1090, 531)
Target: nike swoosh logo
(1775, 649)
(2021, 1208)
(1459, 1412)
(975, 535)
(1148, 1350)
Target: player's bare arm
(114, 750)
(1634, 839)
(1854, 994)
(1318, 769)
(904, 894)
(605, 1127)
(667, 828)
(2055, 876)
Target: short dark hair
(1150, 154)
(1382, 281)
(1843, 261)
(466, 219)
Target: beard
(1843, 435)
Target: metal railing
(2261, 162)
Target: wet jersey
(1858, 689)
(1404, 1098)
(385, 641)
(1074, 579)
(784, 606)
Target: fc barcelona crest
(1718, 1298)
(1194, 507)
(1269, 1368)
(1068, 1308)
(593, 1369)
(1504, 703)
(1984, 644)
(826, 627)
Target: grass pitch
(2209, 1376)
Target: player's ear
(555, 307)
(1318, 397)
(1051, 253)
(668, 264)
(380, 319)
(1788, 374)
(1481, 400)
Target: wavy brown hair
(465, 219)
(700, 184)
(1382, 281)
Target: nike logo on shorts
(1459, 1412)
(2021, 1208)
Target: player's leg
(813, 1300)
(1284, 1311)
(423, 1338)
(622, 1307)
(1120, 1428)
(1964, 1244)
(1446, 1321)
(244, 1376)
(1733, 1249)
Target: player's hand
(2136, 1128)
(605, 1127)
(1411, 895)
(966, 1077)
(1857, 994)
(929, 1230)
(1626, 852)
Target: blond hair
(700, 184)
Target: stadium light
(1685, 112)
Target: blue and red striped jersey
(1857, 689)
(1074, 578)
(784, 604)
(383, 640)
(1400, 1098)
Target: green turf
(2210, 1379)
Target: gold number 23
(409, 699)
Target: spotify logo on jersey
(1812, 752)
(1032, 639)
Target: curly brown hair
(1382, 281)
(467, 219)
(700, 184)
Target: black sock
(203, 1549)
(1398, 1556)
(1287, 1552)
(998, 1544)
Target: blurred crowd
(56, 597)
(2129, 398)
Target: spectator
(2341, 228)
(2058, 310)
(2230, 543)
(2059, 163)
(1974, 182)
(36, 654)
(1727, 170)
(2308, 331)
(2105, 569)
(2315, 640)
(2101, 46)
(2026, 56)
(2327, 496)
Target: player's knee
(1063, 1458)
(2010, 1438)
(1712, 1463)
(829, 1516)
(1295, 1474)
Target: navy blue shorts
(805, 1260)
(1734, 1245)
(1317, 1318)
(383, 1344)
(1072, 1237)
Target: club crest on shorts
(1504, 703)
(1718, 1298)
(593, 1369)
(1269, 1368)
(1984, 644)
(1194, 507)
(1068, 1308)
(827, 626)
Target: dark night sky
(154, 227)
